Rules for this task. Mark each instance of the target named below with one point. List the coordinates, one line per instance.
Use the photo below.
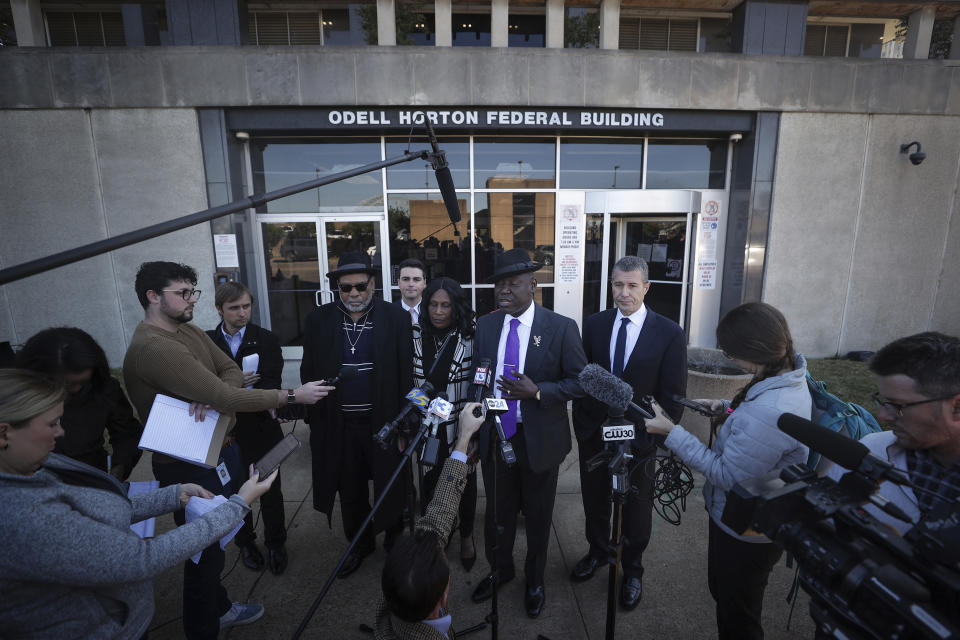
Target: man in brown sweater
(169, 355)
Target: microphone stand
(618, 465)
(353, 543)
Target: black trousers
(519, 488)
(737, 573)
(356, 472)
(256, 437)
(204, 598)
(597, 508)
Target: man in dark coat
(649, 352)
(257, 431)
(361, 331)
(537, 355)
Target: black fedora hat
(513, 262)
(352, 262)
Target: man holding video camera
(918, 395)
(416, 576)
(648, 351)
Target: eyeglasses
(186, 294)
(347, 288)
(898, 407)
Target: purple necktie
(511, 363)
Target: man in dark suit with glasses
(359, 331)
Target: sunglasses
(347, 288)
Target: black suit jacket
(554, 360)
(258, 340)
(657, 366)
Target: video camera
(864, 580)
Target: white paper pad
(171, 430)
(196, 507)
(250, 363)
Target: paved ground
(676, 602)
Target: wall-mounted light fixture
(917, 156)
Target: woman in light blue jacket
(745, 443)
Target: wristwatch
(291, 397)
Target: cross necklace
(353, 343)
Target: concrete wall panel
(501, 77)
(544, 87)
(946, 311)
(273, 79)
(327, 78)
(385, 79)
(440, 80)
(813, 224)
(905, 215)
(152, 170)
(665, 82)
(51, 202)
(604, 72)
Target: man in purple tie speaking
(537, 355)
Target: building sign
(475, 119)
(225, 251)
(707, 245)
(570, 233)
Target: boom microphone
(846, 452)
(607, 388)
(444, 179)
(417, 398)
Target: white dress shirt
(233, 341)
(414, 311)
(637, 319)
(523, 333)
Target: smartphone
(702, 409)
(280, 452)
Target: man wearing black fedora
(358, 330)
(537, 355)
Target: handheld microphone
(607, 388)
(438, 411)
(481, 380)
(417, 398)
(346, 373)
(444, 178)
(846, 452)
(496, 407)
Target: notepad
(196, 507)
(250, 363)
(172, 431)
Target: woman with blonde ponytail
(745, 442)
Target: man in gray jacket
(918, 393)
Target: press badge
(223, 473)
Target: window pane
(866, 40)
(836, 41)
(714, 35)
(418, 174)
(683, 35)
(471, 29)
(415, 24)
(113, 29)
(508, 220)
(542, 296)
(355, 25)
(629, 33)
(581, 28)
(593, 263)
(681, 164)
(813, 43)
(596, 164)
(89, 33)
(279, 164)
(60, 26)
(654, 33)
(526, 30)
(362, 237)
(272, 28)
(420, 228)
(293, 275)
(304, 28)
(516, 163)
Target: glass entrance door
(297, 253)
(662, 243)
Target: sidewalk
(676, 602)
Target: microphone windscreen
(844, 451)
(449, 193)
(605, 387)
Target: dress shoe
(468, 553)
(630, 593)
(251, 557)
(277, 560)
(534, 600)
(353, 562)
(484, 590)
(584, 569)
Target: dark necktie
(620, 349)
(511, 363)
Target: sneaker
(241, 613)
